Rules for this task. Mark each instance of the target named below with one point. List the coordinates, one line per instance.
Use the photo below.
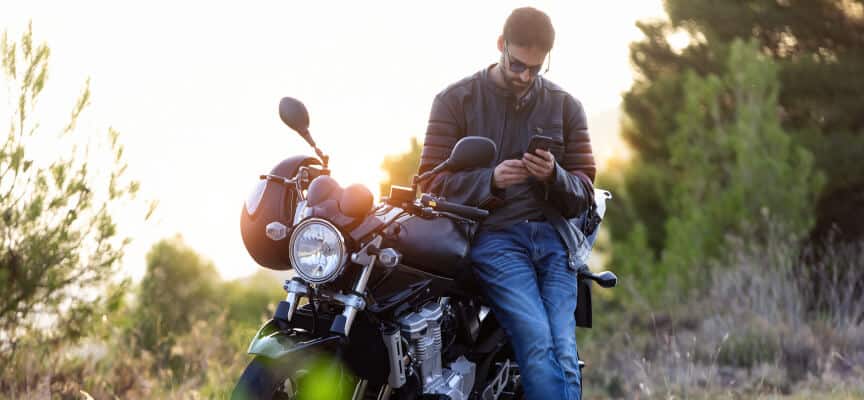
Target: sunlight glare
(195, 95)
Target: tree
(401, 168)
(816, 45)
(178, 289)
(733, 164)
(250, 299)
(59, 245)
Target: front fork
(354, 303)
(272, 342)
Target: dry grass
(756, 333)
(113, 368)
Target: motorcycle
(383, 304)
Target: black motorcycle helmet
(268, 214)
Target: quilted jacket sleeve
(572, 189)
(446, 126)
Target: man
(525, 252)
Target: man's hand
(541, 165)
(509, 173)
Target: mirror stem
(418, 179)
(324, 158)
(308, 137)
(428, 174)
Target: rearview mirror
(471, 152)
(293, 113)
(468, 153)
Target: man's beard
(514, 86)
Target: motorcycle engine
(422, 329)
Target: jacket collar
(518, 104)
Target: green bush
(748, 348)
(734, 169)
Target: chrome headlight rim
(343, 259)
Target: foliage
(183, 303)
(249, 301)
(816, 45)
(185, 335)
(59, 245)
(401, 168)
(178, 289)
(731, 163)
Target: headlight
(317, 250)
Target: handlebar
(458, 209)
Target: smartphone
(545, 143)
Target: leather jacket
(477, 106)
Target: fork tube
(354, 303)
(363, 280)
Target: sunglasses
(519, 67)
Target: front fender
(273, 342)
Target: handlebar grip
(606, 279)
(458, 209)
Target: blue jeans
(525, 276)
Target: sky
(193, 87)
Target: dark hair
(529, 27)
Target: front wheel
(315, 378)
(266, 379)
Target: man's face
(530, 57)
